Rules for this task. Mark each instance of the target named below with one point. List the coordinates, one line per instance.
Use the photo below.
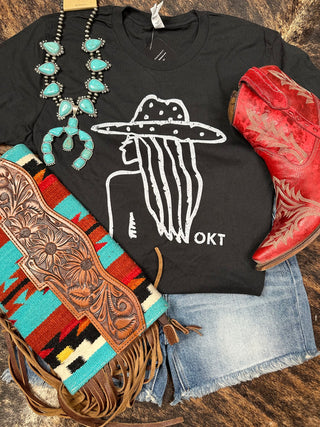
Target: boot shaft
(277, 116)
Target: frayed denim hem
(198, 392)
(148, 396)
(246, 375)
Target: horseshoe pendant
(70, 130)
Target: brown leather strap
(160, 267)
(185, 329)
(17, 366)
(170, 326)
(172, 422)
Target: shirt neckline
(144, 19)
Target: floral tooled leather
(59, 255)
(280, 119)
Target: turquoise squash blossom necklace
(66, 106)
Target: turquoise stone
(46, 148)
(97, 65)
(92, 45)
(89, 144)
(84, 136)
(67, 144)
(53, 48)
(56, 131)
(65, 108)
(48, 138)
(95, 85)
(49, 159)
(48, 68)
(79, 163)
(73, 122)
(86, 154)
(86, 106)
(52, 89)
(71, 131)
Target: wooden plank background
(290, 397)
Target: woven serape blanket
(75, 348)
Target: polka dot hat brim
(182, 130)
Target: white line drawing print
(132, 230)
(164, 139)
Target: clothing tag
(79, 4)
(155, 17)
(159, 50)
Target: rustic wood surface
(290, 397)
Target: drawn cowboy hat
(163, 118)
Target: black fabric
(204, 202)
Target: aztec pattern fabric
(74, 348)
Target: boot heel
(232, 106)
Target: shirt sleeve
(296, 64)
(20, 85)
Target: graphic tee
(168, 170)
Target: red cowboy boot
(280, 119)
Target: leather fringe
(113, 389)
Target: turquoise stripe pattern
(155, 311)
(16, 153)
(27, 319)
(71, 207)
(12, 255)
(109, 252)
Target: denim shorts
(244, 336)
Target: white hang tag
(155, 17)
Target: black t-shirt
(167, 169)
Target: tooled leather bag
(71, 297)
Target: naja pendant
(70, 130)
